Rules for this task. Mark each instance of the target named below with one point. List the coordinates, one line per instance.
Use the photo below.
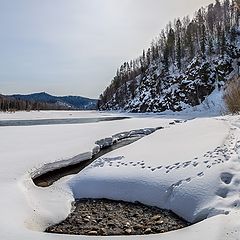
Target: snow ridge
(103, 143)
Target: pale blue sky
(75, 46)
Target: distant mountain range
(64, 102)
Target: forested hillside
(65, 102)
(184, 64)
(14, 104)
(44, 101)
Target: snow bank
(102, 143)
(162, 170)
(213, 105)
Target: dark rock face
(174, 91)
(105, 217)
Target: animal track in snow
(236, 204)
(188, 179)
(186, 164)
(222, 192)
(178, 183)
(195, 164)
(226, 177)
(236, 182)
(201, 174)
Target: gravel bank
(106, 217)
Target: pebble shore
(109, 218)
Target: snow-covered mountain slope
(191, 167)
(188, 61)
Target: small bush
(232, 96)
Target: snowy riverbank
(188, 167)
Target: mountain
(183, 66)
(70, 102)
(39, 97)
(45, 101)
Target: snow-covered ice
(190, 167)
(24, 115)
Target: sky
(74, 47)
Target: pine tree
(179, 43)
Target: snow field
(190, 167)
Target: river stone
(128, 230)
(159, 222)
(103, 231)
(92, 233)
(86, 219)
(148, 231)
(155, 218)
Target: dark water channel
(10, 123)
(49, 178)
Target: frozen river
(4, 123)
